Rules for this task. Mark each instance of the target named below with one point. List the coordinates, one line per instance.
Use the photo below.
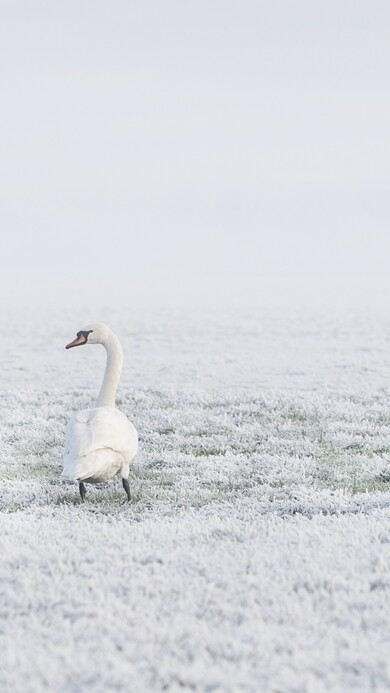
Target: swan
(101, 441)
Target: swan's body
(100, 442)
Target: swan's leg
(82, 490)
(126, 486)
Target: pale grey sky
(189, 143)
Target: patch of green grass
(204, 451)
(67, 498)
(40, 470)
(371, 484)
(385, 450)
(14, 508)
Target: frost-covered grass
(255, 554)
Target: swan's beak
(76, 342)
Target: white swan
(101, 441)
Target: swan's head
(91, 334)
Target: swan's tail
(99, 465)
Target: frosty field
(255, 554)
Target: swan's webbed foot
(82, 490)
(126, 486)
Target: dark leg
(126, 486)
(82, 490)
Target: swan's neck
(112, 373)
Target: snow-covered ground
(255, 555)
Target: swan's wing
(99, 428)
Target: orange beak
(76, 342)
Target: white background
(168, 150)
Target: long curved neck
(112, 373)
